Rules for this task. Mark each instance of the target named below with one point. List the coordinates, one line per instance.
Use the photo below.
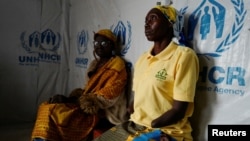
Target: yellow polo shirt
(158, 80)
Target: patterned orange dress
(68, 122)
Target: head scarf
(177, 20)
(169, 12)
(106, 33)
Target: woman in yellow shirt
(164, 83)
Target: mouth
(148, 32)
(99, 51)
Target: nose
(147, 23)
(146, 26)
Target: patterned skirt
(62, 122)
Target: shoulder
(117, 63)
(186, 51)
(117, 60)
(144, 55)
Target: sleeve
(187, 72)
(113, 89)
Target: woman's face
(103, 47)
(156, 25)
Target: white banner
(47, 47)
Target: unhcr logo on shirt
(161, 74)
(41, 47)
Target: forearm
(171, 116)
(168, 118)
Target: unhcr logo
(40, 47)
(123, 33)
(36, 41)
(82, 43)
(212, 13)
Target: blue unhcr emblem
(205, 19)
(218, 13)
(123, 34)
(82, 41)
(46, 40)
(49, 40)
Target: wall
(47, 46)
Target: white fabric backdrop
(59, 34)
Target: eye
(104, 43)
(151, 17)
(96, 43)
(101, 43)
